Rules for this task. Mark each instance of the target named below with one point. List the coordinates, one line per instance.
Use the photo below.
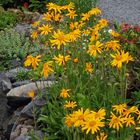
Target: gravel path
(121, 10)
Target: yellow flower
(102, 136)
(47, 69)
(74, 35)
(138, 118)
(70, 104)
(59, 39)
(119, 58)
(113, 33)
(113, 44)
(85, 16)
(61, 60)
(92, 124)
(64, 93)
(127, 112)
(100, 114)
(79, 117)
(68, 7)
(57, 17)
(32, 61)
(75, 60)
(86, 32)
(71, 14)
(45, 29)
(129, 121)
(69, 120)
(47, 17)
(95, 11)
(36, 23)
(103, 23)
(119, 108)
(34, 34)
(31, 94)
(94, 36)
(89, 68)
(115, 122)
(53, 7)
(94, 49)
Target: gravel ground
(121, 10)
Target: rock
(20, 83)
(32, 107)
(121, 10)
(22, 138)
(11, 74)
(5, 84)
(15, 102)
(24, 89)
(15, 63)
(23, 28)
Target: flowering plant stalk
(90, 69)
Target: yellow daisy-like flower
(79, 117)
(32, 61)
(75, 60)
(115, 122)
(71, 14)
(133, 109)
(31, 94)
(61, 60)
(85, 16)
(68, 7)
(69, 121)
(94, 36)
(119, 58)
(47, 17)
(94, 49)
(119, 108)
(113, 33)
(89, 68)
(113, 44)
(65, 93)
(74, 35)
(86, 32)
(36, 23)
(47, 69)
(59, 39)
(34, 34)
(103, 23)
(100, 114)
(45, 29)
(92, 124)
(53, 7)
(70, 104)
(102, 136)
(95, 11)
(129, 121)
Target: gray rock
(5, 86)
(121, 10)
(32, 107)
(24, 89)
(20, 83)
(11, 74)
(23, 138)
(23, 28)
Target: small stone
(24, 131)
(23, 138)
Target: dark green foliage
(8, 19)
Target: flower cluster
(94, 122)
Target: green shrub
(13, 46)
(8, 19)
